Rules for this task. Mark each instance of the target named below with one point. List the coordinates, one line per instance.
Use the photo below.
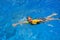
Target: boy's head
(29, 19)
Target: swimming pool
(11, 11)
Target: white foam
(54, 14)
(50, 25)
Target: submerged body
(33, 21)
(36, 21)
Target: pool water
(11, 11)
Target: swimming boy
(38, 21)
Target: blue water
(12, 11)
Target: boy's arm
(24, 22)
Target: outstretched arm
(24, 22)
(15, 24)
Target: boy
(38, 21)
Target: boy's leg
(55, 19)
(54, 14)
(50, 17)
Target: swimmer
(41, 20)
(38, 21)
